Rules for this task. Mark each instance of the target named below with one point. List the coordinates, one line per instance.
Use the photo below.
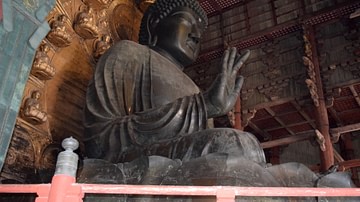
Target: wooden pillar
(237, 114)
(322, 120)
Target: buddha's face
(179, 35)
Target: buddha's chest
(169, 83)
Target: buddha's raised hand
(220, 98)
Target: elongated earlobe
(151, 26)
(152, 41)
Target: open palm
(221, 96)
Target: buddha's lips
(191, 45)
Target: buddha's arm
(115, 135)
(183, 116)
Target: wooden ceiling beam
(345, 165)
(281, 30)
(289, 125)
(346, 129)
(288, 140)
(308, 134)
(303, 114)
(272, 113)
(264, 134)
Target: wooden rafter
(306, 135)
(288, 140)
(264, 134)
(279, 30)
(272, 113)
(303, 114)
(336, 132)
(289, 125)
(349, 164)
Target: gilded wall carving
(85, 25)
(53, 100)
(59, 34)
(42, 67)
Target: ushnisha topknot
(162, 8)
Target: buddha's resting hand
(220, 98)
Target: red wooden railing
(63, 188)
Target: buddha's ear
(152, 23)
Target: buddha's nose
(195, 35)
(195, 32)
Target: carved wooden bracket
(331, 94)
(321, 140)
(335, 137)
(313, 91)
(246, 116)
(311, 81)
(274, 90)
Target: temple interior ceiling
(288, 41)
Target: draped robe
(141, 103)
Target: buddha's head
(174, 27)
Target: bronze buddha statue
(146, 120)
(140, 102)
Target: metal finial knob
(70, 143)
(67, 160)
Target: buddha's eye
(184, 18)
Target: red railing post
(225, 195)
(63, 187)
(43, 193)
